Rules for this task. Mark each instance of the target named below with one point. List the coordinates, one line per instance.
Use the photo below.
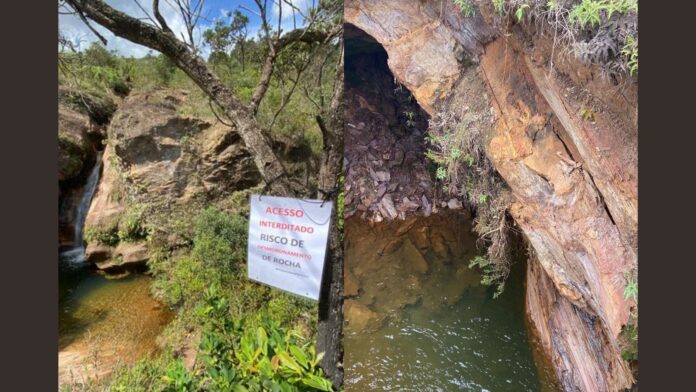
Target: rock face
(171, 156)
(73, 146)
(424, 42)
(574, 181)
(81, 120)
(157, 159)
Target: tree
(222, 37)
(218, 38)
(239, 32)
(322, 25)
(97, 55)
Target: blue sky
(72, 27)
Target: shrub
(629, 338)
(465, 172)
(492, 274)
(241, 356)
(602, 32)
(131, 227)
(220, 239)
(219, 249)
(165, 69)
(105, 235)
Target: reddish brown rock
(360, 317)
(574, 182)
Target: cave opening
(387, 174)
(417, 316)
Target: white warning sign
(287, 243)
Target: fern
(631, 290)
(590, 11)
(630, 52)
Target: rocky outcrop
(81, 120)
(169, 156)
(156, 161)
(573, 176)
(426, 42)
(74, 150)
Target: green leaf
(319, 357)
(262, 340)
(631, 290)
(319, 383)
(287, 361)
(299, 355)
(519, 14)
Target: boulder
(157, 161)
(454, 204)
(413, 259)
(169, 156)
(74, 148)
(439, 246)
(351, 284)
(387, 205)
(361, 318)
(125, 255)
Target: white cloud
(75, 29)
(302, 5)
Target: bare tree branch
(92, 29)
(147, 14)
(160, 19)
(125, 26)
(191, 15)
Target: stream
(103, 321)
(419, 319)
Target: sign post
(287, 243)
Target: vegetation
(96, 72)
(234, 355)
(200, 243)
(105, 235)
(253, 338)
(629, 338)
(255, 358)
(466, 7)
(465, 172)
(629, 332)
(603, 32)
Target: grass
(602, 32)
(206, 283)
(200, 243)
(464, 171)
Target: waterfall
(76, 254)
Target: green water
(453, 336)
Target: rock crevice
(573, 176)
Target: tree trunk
(132, 29)
(274, 173)
(330, 336)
